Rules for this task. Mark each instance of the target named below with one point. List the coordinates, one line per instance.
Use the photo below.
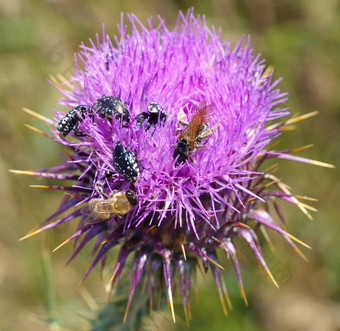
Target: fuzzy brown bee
(117, 203)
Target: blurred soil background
(301, 39)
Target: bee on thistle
(115, 203)
(185, 215)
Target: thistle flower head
(166, 152)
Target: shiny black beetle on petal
(126, 163)
(109, 107)
(71, 121)
(155, 113)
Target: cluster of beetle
(109, 107)
(125, 161)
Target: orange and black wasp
(196, 130)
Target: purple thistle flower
(197, 186)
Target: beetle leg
(78, 133)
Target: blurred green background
(301, 39)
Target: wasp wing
(201, 114)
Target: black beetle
(71, 121)
(155, 112)
(126, 163)
(108, 107)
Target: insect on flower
(126, 163)
(108, 107)
(185, 217)
(196, 130)
(108, 58)
(116, 203)
(155, 113)
(71, 121)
